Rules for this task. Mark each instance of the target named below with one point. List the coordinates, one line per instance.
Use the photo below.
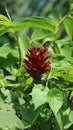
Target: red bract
(36, 63)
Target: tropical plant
(36, 73)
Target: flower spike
(36, 63)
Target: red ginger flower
(36, 63)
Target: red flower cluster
(36, 63)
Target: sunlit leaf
(8, 119)
(39, 95)
(36, 21)
(5, 25)
(55, 99)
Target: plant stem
(61, 21)
(17, 41)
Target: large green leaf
(39, 95)
(64, 116)
(36, 21)
(55, 99)
(40, 22)
(8, 119)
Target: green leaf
(39, 95)
(59, 120)
(5, 29)
(64, 117)
(55, 99)
(5, 25)
(5, 92)
(67, 118)
(65, 48)
(68, 23)
(9, 64)
(29, 115)
(40, 22)
(36, 21)
(24, 44)
(2, 79)
(5, 50)
(2, 18)
(41, 34)
(8, 119)
(65, 72)
(29, 81)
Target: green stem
(48, 77)
(17, 41)
(61, 21)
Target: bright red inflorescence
(36, 63)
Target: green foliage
(68, 26)
(24, 44)
(5, 25)
(28, 118)
(39, 22)
(38, 92)
(55, 99)
(28, 104)
(5, 50)
(42, 34)
(8, 118)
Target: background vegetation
(24, 103)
